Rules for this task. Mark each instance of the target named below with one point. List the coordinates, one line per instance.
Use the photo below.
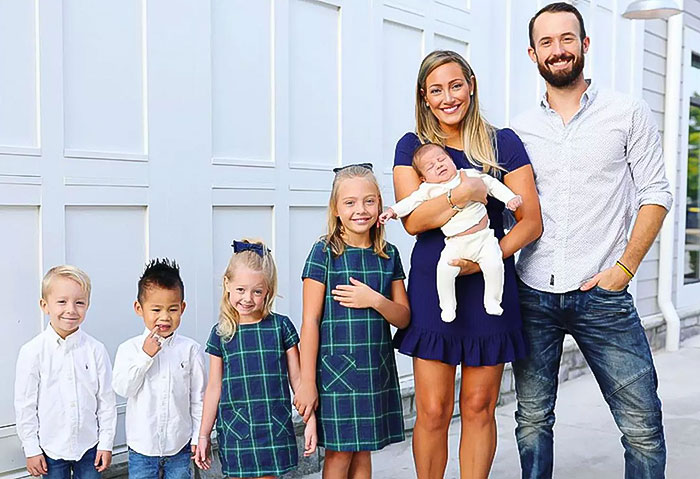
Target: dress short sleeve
(398, 272)
(316, 266)
(403, 156)
(290, 337)
(511, 151)
(214, 343)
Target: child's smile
(247, 292)
(357, 209)
(66, 304)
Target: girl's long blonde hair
(228, 316)
(334, 237)
(477, 135)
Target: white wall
(136, 129)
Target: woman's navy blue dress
(474, 338)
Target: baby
(463, 236)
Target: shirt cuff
(143, 360)
(32, 448)
(661, 199)
(105, 444)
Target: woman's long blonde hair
(334, 237)
(477, 135)
(228, 316)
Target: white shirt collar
(70, 342)
(586, 99)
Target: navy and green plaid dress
(359, 398)
(254, 420)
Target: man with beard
(597, 160)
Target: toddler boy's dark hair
(160, 273)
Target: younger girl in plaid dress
(253, 360)
(353, 291)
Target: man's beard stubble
(562, 78)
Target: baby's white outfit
(481, 247)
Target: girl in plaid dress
(353, 291)
(253, 360)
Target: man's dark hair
(160, 273)
(558, 7)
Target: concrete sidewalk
(587, 443)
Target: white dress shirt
(592, 175)
(164, 393)
(472, 213)
(64, 403)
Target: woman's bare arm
(529, 218)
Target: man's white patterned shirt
(592, 176)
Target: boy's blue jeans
(83, 468)
(609, 333)
(166, 467)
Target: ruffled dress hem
(488, 350)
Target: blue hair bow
(257, 248)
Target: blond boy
(64, 403)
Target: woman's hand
(355, 295)
(465, 266)
(202, 456)
(306, 400)
(469, 189)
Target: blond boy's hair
(66, 271)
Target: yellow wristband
(625, 269)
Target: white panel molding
(106, 182)
(20, 150)
(397, 7)
(256, 163)
(310, 188)
(298, 165)
(104, 155)
(247, 186)
(34, 180)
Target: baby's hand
(515, 203)
(36, 465)
(389, 214)
(310, 436)
(151, 344)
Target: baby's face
(437, 166)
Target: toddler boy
(64, 403)
(162, 375)
(467, 234)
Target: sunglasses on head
(367, 166)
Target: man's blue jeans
(607, 329)
(166, 467)
(83, 468)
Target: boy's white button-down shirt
(164, 393)
(64, 402)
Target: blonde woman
(447, 113)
